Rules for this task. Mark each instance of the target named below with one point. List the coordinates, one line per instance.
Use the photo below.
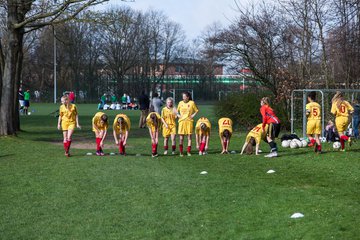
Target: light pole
(54, 64)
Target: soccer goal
(176, 94)
(298, 106)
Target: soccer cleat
(204, 153)
(189, 154)
(272, 154)
(165, 152)
(181, 154)
(154, 155)
(173, 152)
(67, 154)
(102, 153)
(342, 150)
(200, 153)
(98, 153)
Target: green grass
(44, 195)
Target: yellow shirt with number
(97, 122)
(257, 133)
(186, 110)
(198, 129)
(343, 110)
(225, 124)
(124, 127)
(150, 123)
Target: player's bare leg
(181, 145)
(166, 146)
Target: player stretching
(313, 128)
(202, 133)
(99, 127)
(254, 137)
(341, 109)
(269, 117)
(121, 128)
(187, 110)
(153, 122)
(225, 132)
(68, 118)
(168, 113)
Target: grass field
(44, 195)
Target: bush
(244, 110)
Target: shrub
(244, 110)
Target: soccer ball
(304, 143)
(294, 144)
(323, 139)
(29, 113)
(285, 144)
(336, 145)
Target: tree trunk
(9, 115)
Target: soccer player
(153, 122)
(121, 128)
(186, 111)
(225, 132)
(269, 117)
(168, 113)
(341, 109)
(99, 127)
(68, 119)
(313, 128)
(202, 134)
(254, 137)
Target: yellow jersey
(68, 114)
(186, 110)
(225, 124)
(150, 123)
(124, 127)
(343, 110)
(313, 110)
(257, 133)
(198, 129)
(97, 121)
(169, 116)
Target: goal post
(176, 93)
(326, 95)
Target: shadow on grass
(6, 155)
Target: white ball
(336, 145)
(294, 144)
(304, 143)
(29, 113)
(285, 144)
(323, 139)
(299, 143)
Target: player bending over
(153, 122)
(186, 111)
(121, 128)
(99, 127)
(254, 138)
(342, 110)
(68, 119)
(168, 113)
(269, 117)
(225, 132)
(202, 134)
(313, 128)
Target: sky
(193, 15)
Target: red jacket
(268, 115)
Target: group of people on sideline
(172, 121)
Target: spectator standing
(113, 99)
(21, 100)
(144, 108)
(26, 101)
(124, 101)
(356, 118)
(156, 103)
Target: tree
(23, 17)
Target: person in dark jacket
(144, 104)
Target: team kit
(180, 120)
